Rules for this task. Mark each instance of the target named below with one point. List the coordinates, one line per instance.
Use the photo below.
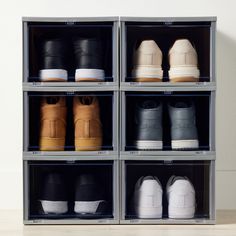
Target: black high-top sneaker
(54, 195)
(184, 133)
(53, 64)
(88, 55)
(89, 198)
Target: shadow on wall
(226, 98)
(226, 59)
(225, 121)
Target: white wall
(11, 12)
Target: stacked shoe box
(167, 120)
(104, 149)
(71, 98)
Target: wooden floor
(11, 224)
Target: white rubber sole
(149, 212)
(184, 144)
(83, 207)
(148, 144)
(89, 74)
(53, 75)
(181, 212)
(184, 71)
(54, 207)
(147, 72)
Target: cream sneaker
(147, 62)
(183, 62)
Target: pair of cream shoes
(182, 59)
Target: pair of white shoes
(148, 198)
(183, 62)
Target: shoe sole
(88, 144)
(83, 75)
(51, 144)
(184, 74)
(54, 207)
(147, 79)
(185, 144)
(181, 212)
(148, 145)
(53, 75)
(184, 79)
(149, 212)
(86, 207)
(147, 74)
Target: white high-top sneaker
(181, 198)
(147, 62)
(183, 62)
(148, 198)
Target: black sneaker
(53, 61)
(148, 123)
(183, 126)
(88, 55)
(89, 198)
(53, 198)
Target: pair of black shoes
(88, 58)
(89, 196)
(148, 125)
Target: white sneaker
(181, 198)
(183, 62)
(148, 198)
(147, 62)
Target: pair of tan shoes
(87, 124)
(182, 59)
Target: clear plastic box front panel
(200, 101)
(197, 172)
(65, 121)
(62, 190)
(40, 32)
(165, 34)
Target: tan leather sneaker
(52, 124)
(88, 127)
(183, 62)
(147, 62)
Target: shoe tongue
(183, 44)
(52, 100)
(178, 178)
(54, 178)
(87, 45)
(149, 177)
(181, 105)
(149, 104)
(55, 47)
(87, 100)
(86, 179)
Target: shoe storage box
(199, 173)
(63, 184)
(203, 102)
(105, 172)
(37, 30)
(200, 31)
(108, 107)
